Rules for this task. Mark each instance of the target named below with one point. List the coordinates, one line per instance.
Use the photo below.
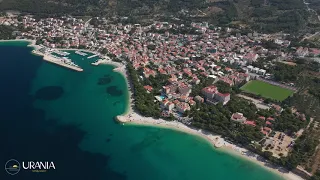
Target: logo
(38, 166)
(12, 167)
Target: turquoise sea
(50, 113)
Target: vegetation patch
(267, 90)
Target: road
(258, 103)
(87, 23)
(311, 10)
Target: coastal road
(311, 10)
(87, 23)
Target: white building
(262, 72)
(255, 70)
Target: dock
(81, 53)
(99, 61)
(64, 61)
(95, 55)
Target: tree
(6, 32)
(104, 51)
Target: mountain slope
(262, 15)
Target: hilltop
(262, 15)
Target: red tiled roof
(251, 123)
(210, 89)
(148, 88)
(237, 116)
(270, 119)
(223, 94)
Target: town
(213, 78)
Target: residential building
(238, 117)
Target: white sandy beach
(132, 118)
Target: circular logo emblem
(12, 167)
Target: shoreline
(32, 42)
(121, 69)
(135, 119)
(129, 117)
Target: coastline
(129, 117)
(121, 69)
(32, 42)
(132, 118)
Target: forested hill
(262, 15)
(92, 7)
(74, 7)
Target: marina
(62, 61)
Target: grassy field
(267, 90)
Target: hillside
(262, 15)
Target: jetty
(62, 61)
(95, 55)
(99, 61)
(81, 53)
